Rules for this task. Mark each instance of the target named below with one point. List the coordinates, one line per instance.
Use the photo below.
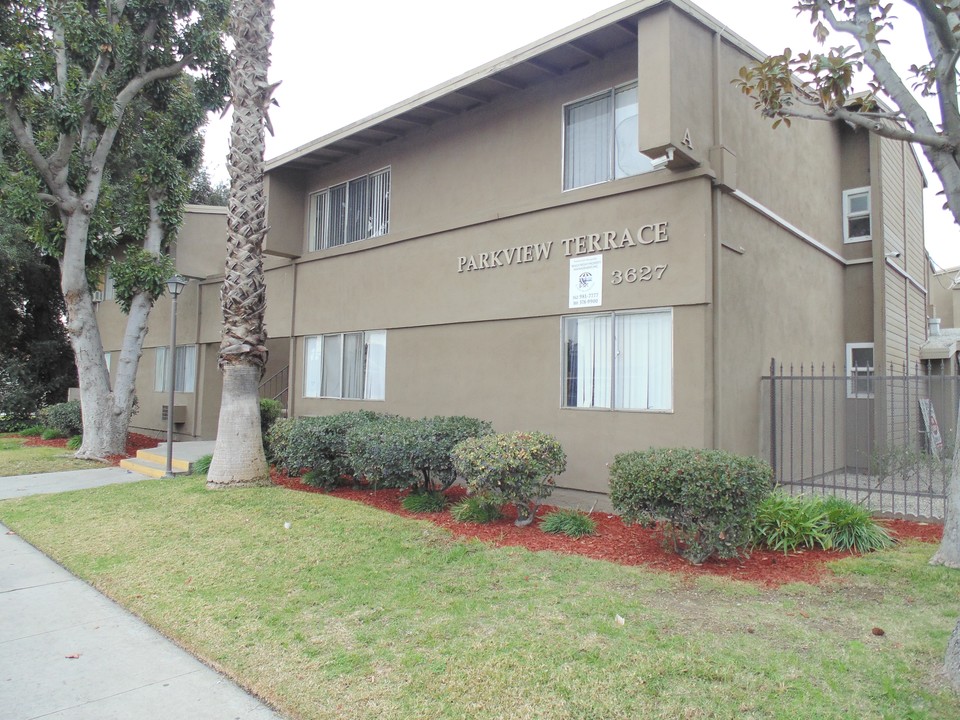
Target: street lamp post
(175, 286)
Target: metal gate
(881, 440)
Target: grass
(15, 459)
(352, 612)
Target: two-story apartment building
(596, 236)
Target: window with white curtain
(349, 366)
(622, 361)
(351, 211)
(601, 138)
(184, 371)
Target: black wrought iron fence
(882, 440)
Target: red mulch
(620, 543)
(135, 442)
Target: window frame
(319, 380)
(612, 166)
(326, 231)
(160, 382)
(860, 372)
(848, 215)
(612, 362)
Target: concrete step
(154, 464)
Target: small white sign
(586, 281)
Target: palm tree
(238, 458)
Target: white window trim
(847, 215)
(851, 381)
(319, 354)
(316, 227)
(613, 315)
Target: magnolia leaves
(140, 272)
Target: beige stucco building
(596, 236)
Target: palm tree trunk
(238, 457)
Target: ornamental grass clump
(786, 522)
(476, 509)
(201, 466)
(424, 502)
(852, 527)
(705, 500)
(568, 522)
(513, 468)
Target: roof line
(599, 20)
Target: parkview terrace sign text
(578, 245)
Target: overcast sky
(339, 62)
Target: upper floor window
(856, 215)
(622, 361)
(860, 370)
(600, 138)
(345, 365)
(350, 211)
(184, 372)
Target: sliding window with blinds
(346, 366)
(351, 211)
(601, 138)
(622, 361)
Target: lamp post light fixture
(175, 286)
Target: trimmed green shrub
(51, 434)
(75, 442)
(201, 466)
(476, 509)
(785, 522)
(270, 411)
(513, 468)
(64, 417)
(32, 431)
(317, 444)
(424, 502)
(707, 499)
(405, 453)
(568, 522)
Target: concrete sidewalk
(70, 653)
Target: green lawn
(15, 459)
(354, 613)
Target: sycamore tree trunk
(104, 430)
(238, 457)
(106, 411)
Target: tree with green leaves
(104, 121)
(238, 458)
(922, 108)
(203, 191)
(36, 362)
